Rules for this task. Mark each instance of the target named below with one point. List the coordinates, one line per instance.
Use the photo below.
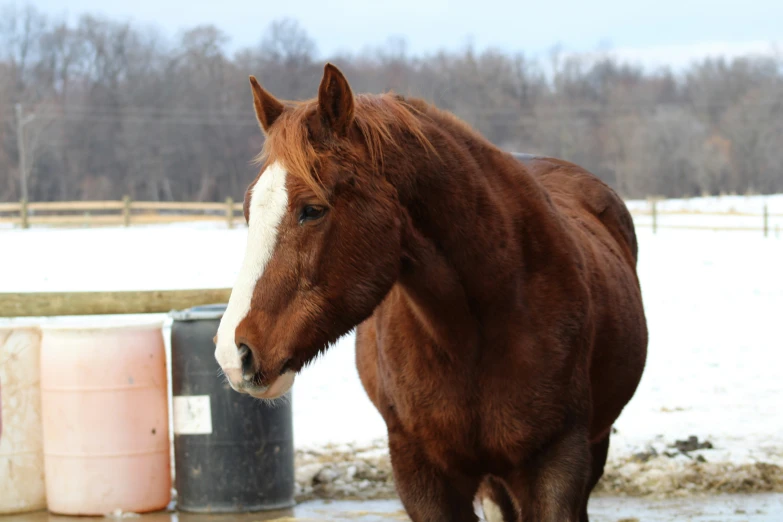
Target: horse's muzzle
(277, 388)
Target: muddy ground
(676, 481)
(682, 469)
(725, 508)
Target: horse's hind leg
(598, 451)
(550, 487)
(428, 493)
(496, 501)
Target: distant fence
(127, 212)
(652, 216)
(117, 213)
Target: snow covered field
(714, 302)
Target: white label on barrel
(192, 415)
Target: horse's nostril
(246, 356)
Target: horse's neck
(463, 253)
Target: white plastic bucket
(22, 484)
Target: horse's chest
(423, 394)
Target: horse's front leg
(429, 493)
(550, 487)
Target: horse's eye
(310, 213)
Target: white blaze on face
(268, 203)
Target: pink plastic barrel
(105, 418)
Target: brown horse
(500, 326)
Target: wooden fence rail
(117, 213)
(762, 219)
(127, 212)
(48, 304)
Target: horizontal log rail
(49, 304)
(117, 213)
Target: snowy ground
(714, 302)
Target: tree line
(108, 108)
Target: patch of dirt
(353, 472)
(680, 447)
(691, 444)
(663, 476)
(345, 472)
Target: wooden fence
(127, 212)
(47, 304)
(728, 220)
(117, 213)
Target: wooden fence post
(230, 212)
(655, 215)
(23, 214)
(126, 210)
(766, 221)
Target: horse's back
(576, 191)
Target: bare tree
(120, 109)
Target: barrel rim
(4, 327)
(226, 508)
(200, 313)
(98, 325)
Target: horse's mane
(384, 121)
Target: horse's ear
(335, 100)
(268, 108)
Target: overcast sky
(654, 31)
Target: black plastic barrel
(232, 453)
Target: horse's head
(324, 234)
